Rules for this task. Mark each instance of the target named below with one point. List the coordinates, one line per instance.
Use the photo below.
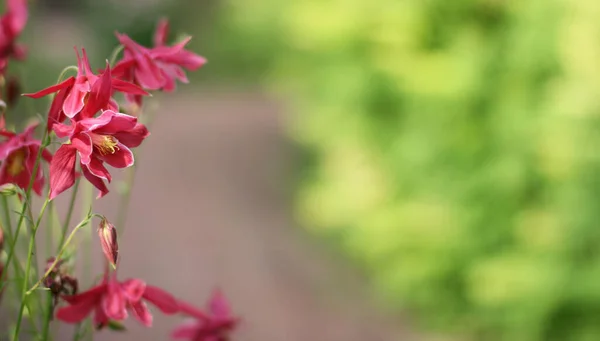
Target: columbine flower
(156, 68)
(86, 93)
(108, 240)
(18, 155)
(11, 26)
(59, 282)
(216, 325)
(112, 300)
(106, 138)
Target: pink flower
(156, 68)
(18, 155)
(216, 325)
(106, 138)
(11, 26)
(86, 93)
(112, 300)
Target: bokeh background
(364, 170)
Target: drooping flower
(18, 155)
(11, 26)
(86, 93)
(112, 300)
(108, 240)
(215, 325)
(59, 282)
(106, 138)
(156, 68)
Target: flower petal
(114, 302)
(218, 305)
(142, 313)
(161, 299)
(98, 170)
(83, 143)
(162, 30)
(99, 95)
(75, 100)
(54, 88)
(75, 313)
(134, 137)
(187, 330)
(128, 88)
(94, 180)
(62, 170)
(133, 289)
(63, 130)
(121, 158)
(118, 122)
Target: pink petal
(94, 180)
(91, 124)
(94, 294)
(98, 170)
(141, 313)
(55, 114)
(187, 330)
(162, 30)
(118, 123)
(62, 170)
(100, 318)
(83, 143)
(75, 100)
(148, 74)
(191, 310)
(134, 137)
(218, 304)
(114, 302)
(127, 87)
(63, 130)
(161, 299)
(17, 9)
(54, 88)
(121, 158)
(99, 95)
(75, 313)
(133, 289)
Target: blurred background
(364, 170)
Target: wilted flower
(59, 282)
(18, 155)
(112, 300)
(156, 68)
(214, 325)
(106, 138)
(108, 240)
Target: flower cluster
(91, 132)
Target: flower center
(16, 162)
(106, 144)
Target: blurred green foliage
(453, 151)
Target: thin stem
(19, 224)
(47, 317)
(30, 254)
(60, 253)
(67, 222)
(126, 199)
(115, 54)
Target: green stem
(47, 317)
(26, 202)
(30, 254)
(60, 253)
(115, 54)
(67, 222)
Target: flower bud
(8, 189)
(108, 239)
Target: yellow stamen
(106, 144)
(16, 162)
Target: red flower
(216, 325)
(156, 68)
(18, 154)
(106, 138)
(112, 300)
(86, 93)
(11, 26)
